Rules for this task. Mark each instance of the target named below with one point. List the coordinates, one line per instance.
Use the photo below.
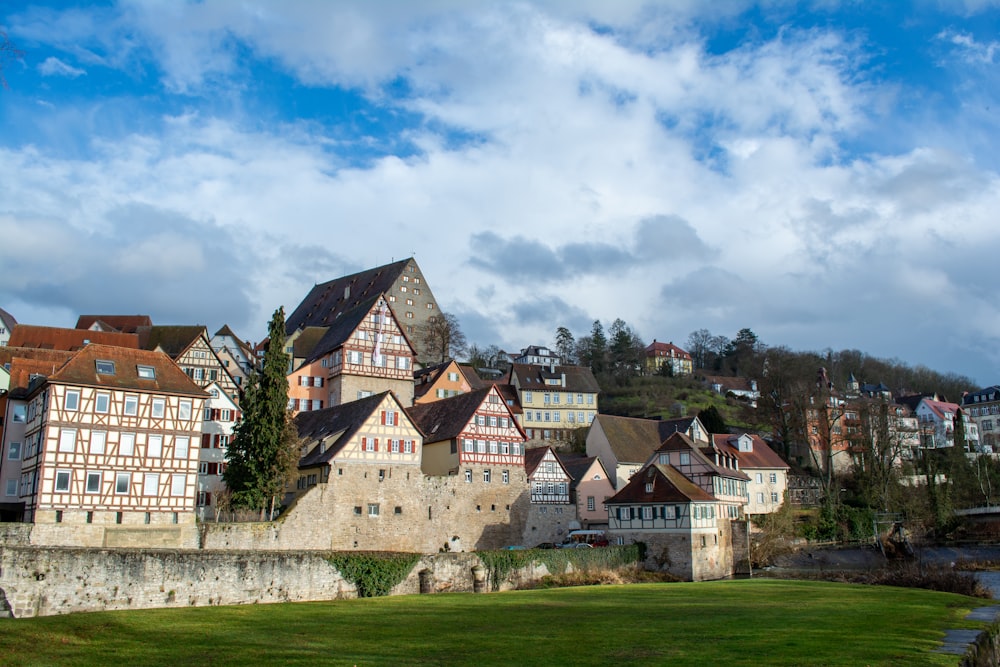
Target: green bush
(374, 573)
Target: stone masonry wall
(415, 513)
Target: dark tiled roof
(762, 456)
(341, 328)
(54, 358)
(669, 486)
(173, 339)
(532, 378)
(326, 300)
(22, 370)
(984, 395)
(446, 418)
(577, 466)
(55, 338)
(168, 377)
(121, 323)
(7, 317)
(334, 426)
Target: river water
(990, 579)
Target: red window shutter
(208, 498)
(376, 443)
(383, 417)
(213, 468)
(238, 416)
(206, 440)
(215, 414)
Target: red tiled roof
(669, 486)
(168, 377)
(762, 455)
(656, 349)
(121, 323)
(56, 338)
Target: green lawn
(755, 622)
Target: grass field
(750, 622)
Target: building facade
(555, 400)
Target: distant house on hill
(659, 355)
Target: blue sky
(824, 173)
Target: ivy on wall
(373, 573)
(500, 564)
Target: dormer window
(649, 487)
(105, 367)
(146, 372)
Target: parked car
(586, 538)
(547, 545)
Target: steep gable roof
(326, 300)
(533, 458)
(167, 378)
(669, 486)
(447, 418)
(680, 442)
(174, 340)
(120, 323)
(632, 440)
(762, 455)
(341, 328)
(657, 349)
(577, 466)
(7, 318)
(940, 408)
(56, 338)
(225, 331)
(306, 341)
(334, 427)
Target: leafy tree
(712, 420)
(443, 336)
(258, 457)
(565, 345)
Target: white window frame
(126, 444)
(67, 440)
(75, 395)
(62, 481)
(131, 405)
(105, 398)
(151, 484)
(98, 442)
(184, 410)
(178, 484)
(154, 446)
(182, 447)
(93, 482)
(159, 408)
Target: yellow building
(555, 400)
(667, 354)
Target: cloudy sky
(825, 173)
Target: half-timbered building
(221, 413)
(550, 511)
(112, 438)
(189, 347)
(364, 352)
(439, 381)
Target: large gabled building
(189, 347)
(555, 400)
(111, 449)
(406, 292)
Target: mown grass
(756, 622)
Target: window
(389, 417)
(505, 448)
(685, 458)
(649, 487)
(67, 440)
(159, 408)
(486, 475)
(480, 446)
(517, 449)
(467, 445)
(11, 487)
(505, 476)
(527, 397)
(494, 445)
(480, 420)
(760, 498)
(403, 363)
(562, 489)
(647, 513)
(14, 451)
(105, 367)
(774, 478)
(468, 476)
(184, 410)
(394, 446)
(126, 444)
(93, 482)
(20, 413)
(97, 441)
(182, 446)
(591, 504)
(372, 509)
(151, 484)
(154, 446)
(759, 478)
(102, 403)
(146, 372)
(177, 484)
(62, 481)
(131, 405)
(408, 447)
(774, 497)
(72, 401)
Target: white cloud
(52, 66)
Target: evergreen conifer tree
(258, 455)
